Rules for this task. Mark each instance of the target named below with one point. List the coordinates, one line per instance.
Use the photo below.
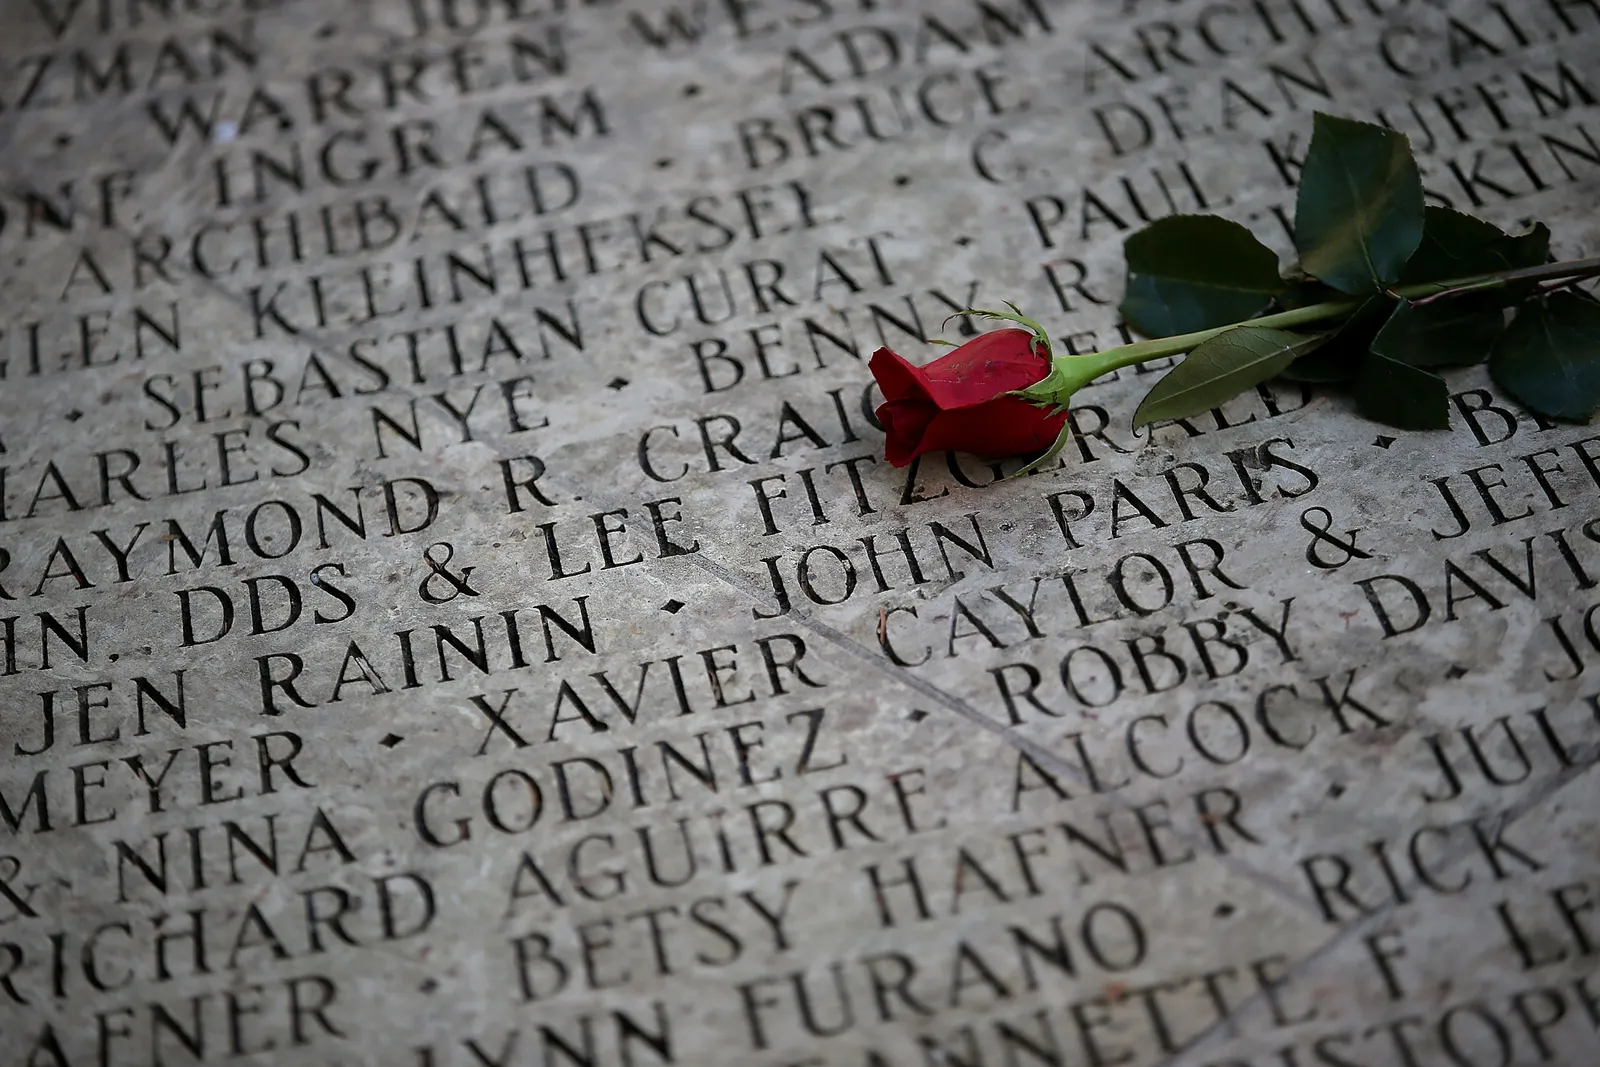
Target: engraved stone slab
(455, 611)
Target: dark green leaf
(1396, 394)
(1359, 214)
(1449, 333)
(1339, 358)
(1305, 292)
(1220, 369)
(1455, 246)
(1322, 367)
(1196, 272)
(1549, 357)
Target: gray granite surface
(454, 611)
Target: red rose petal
(898, 377)
(983, 368)
(904, 423)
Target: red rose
(957, 402)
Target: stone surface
(456, 611)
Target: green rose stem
(1068, 374)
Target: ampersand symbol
(1321, 535)
(439, 570)
(10, 884)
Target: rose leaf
(1401, 395)
(1196, 272)
(1549, 357)
(1220, 369)
(1339, 358)
(1359, 214)
(1449, 333)
(1455, 245)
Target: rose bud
(959, 402)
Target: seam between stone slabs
(1509, 816)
